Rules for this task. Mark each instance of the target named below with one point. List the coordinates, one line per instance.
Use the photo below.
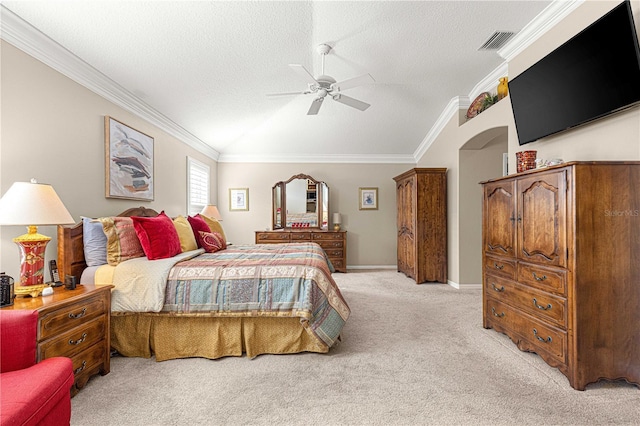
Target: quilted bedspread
(292, 280)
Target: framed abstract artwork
(368, 199)
(238, 199)
(128, 162)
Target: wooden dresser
(421, 201)
(561, 254)
(75, 324)
(334, 243)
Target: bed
(245, 299)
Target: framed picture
(129, 162)
(368, 198)
(238, 199)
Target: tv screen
(595, 73)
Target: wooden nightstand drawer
(74, 341)
(71, 316)
(89, 362)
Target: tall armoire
(421, 196)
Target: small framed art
(128, 162)
(238, 199)
(368, 199)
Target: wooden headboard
(71, 248)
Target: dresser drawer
(328, 244)
(300, 236)
(520, 326)
(500, 266)
(547, 279)
(272, 237)
(334, 253)
(539, 304)
(74, 341)
(71, 316)
(337, 263)
(326, 236)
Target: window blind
(198, 181)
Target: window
(198, 179)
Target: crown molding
(319, 158)
(542, 23)
(449, 112)
(24, 36)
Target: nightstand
(75, 324)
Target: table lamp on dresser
(32, 204)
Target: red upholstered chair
(30, 393)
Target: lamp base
(32, 250)
(336, 227)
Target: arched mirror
(300, 202)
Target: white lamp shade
(31, 203)
(212, 212)
(337, 218)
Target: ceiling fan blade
(315, 106)
(302, 72)
(351, 102)
(288, 93)
(353, 82)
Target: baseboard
(372, 267)
(464, 286)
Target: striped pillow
(122, 240)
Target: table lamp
(212, 212)
(337, 220)
(32, 204)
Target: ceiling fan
(326, 85)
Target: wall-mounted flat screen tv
(595, 73)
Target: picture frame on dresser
(129, 162)
(368, 199)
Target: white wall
(371, 234)
(53, 130)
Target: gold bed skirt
(170, 336)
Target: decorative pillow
(214, 224)
(122, 241)
(94, 242)
(157, 235)
(212, 241)
(185, 234)
(198, 224)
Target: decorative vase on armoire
(421, 200)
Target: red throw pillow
(158, 236)
(198, 225)
(212, 241)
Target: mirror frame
(282, 186)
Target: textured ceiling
(208, 65)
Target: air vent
(497, 40)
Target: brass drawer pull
(79, 369)
(547, 340)
(80, 340)
(542, 278)
(80, 315)
(501, 289)
(544, 308)
(498, 266)
(499, 315)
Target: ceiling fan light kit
(326, 85)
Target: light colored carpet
(410, 355)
